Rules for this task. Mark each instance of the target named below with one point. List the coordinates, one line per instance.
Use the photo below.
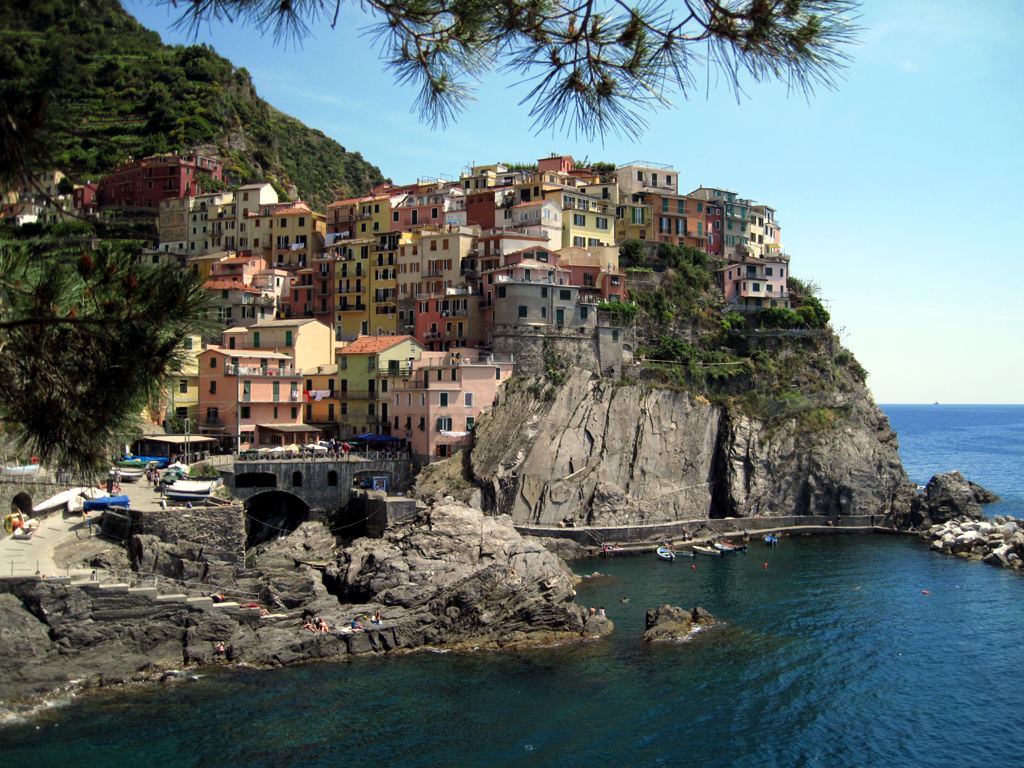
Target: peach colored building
(251, 398)
(436, 409)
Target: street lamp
(187, 462)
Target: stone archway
(22, 502)
(272, 514)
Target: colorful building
(144, 183)
(367, 371)
(438, 405)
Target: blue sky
(901, 193)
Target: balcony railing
(403, 369)
(355, 394)
(349, 289)
(433, 273)
(589, 299)
(255, 370)
(213, 421)
(352, 307)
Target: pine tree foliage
(592, 65)
(86, 338)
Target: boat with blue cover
(770, 540)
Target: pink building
(436, 409)
(250, 398)
(755, 283)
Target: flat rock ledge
(673, 623)
(450, 579)
(999, 541)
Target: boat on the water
(26, 471)
(770, 540)
(666, 554)
(709, 551)
(724, 546)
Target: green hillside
(116, 91)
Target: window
(423, 399)
(615, 335)
(565, 295)
(579, 220)
(544, 292)
(183, 386)
(543, 313)
(756, 287)
(444, 425)
(444, 399)
(767, 271)
(469, 399)
(583, 313)
(296, 479)
(602, 223)
(522, 311)
(470, 423)
(213, 387)
(433, 213)
(580, 242)
(332, 478)
(244, 411)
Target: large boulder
(981, 495)
(946, 496)
(670, 622)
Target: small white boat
(61, 499)
(189, 490)
(129, 475)
(27, 471)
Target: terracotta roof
(230, 285)
(369, 345)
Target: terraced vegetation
(108, 89)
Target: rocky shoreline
(450, 579)
(453, 578)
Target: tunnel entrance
(22, 502)
(271, 515)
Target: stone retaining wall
(219, 527)
(596, 536)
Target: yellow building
(285, 234)
(367, 369)
(181, 388)
(322, 403)
(307, 342)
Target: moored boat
(189, 490)
(666, 554)
(770, 540)
(129, 474)
(26, 471)
(708, 551)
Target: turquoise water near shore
(830, 655)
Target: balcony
(255, 370)
(214, 422)
(259, 301)
(403, 369)
(363, 216)
(352, 307)
(697, 235)
(349, 289)
(433, 273)
(589, 299)
(486, 303)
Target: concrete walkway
(31, 556)
(27, 557)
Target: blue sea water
(828, 652)
(984, 442)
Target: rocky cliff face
(603, 454)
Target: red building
(480, 208)
(86, 198)
(144, 183)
